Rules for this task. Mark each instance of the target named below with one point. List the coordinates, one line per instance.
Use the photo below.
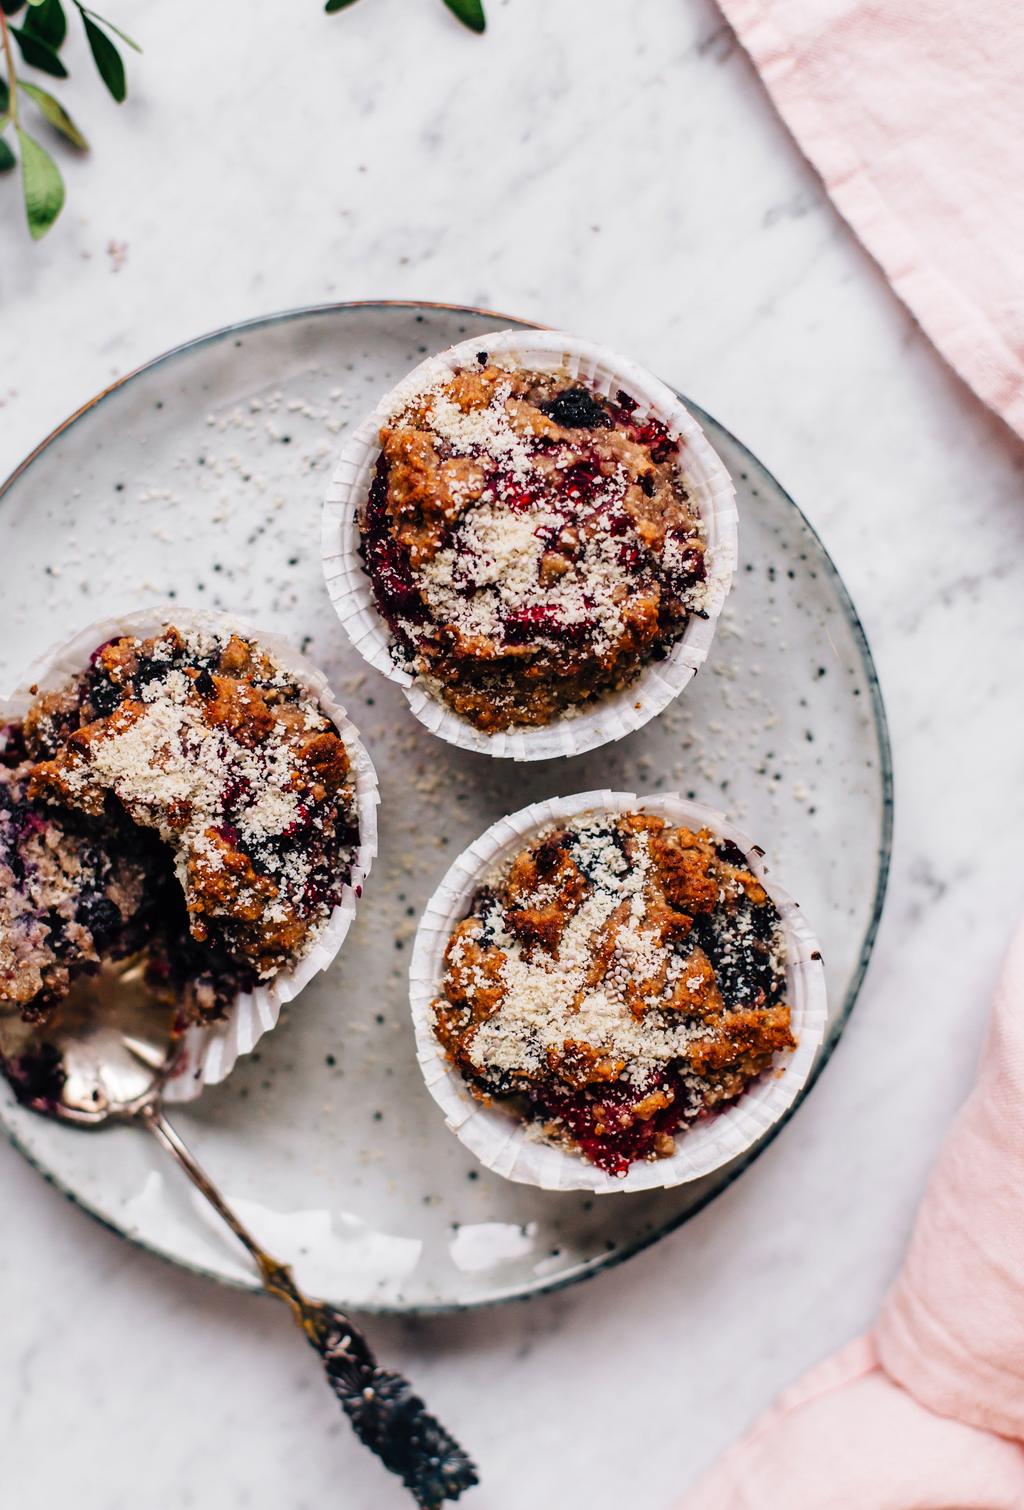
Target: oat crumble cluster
(615, 981)
(184, 794)
(529, 542)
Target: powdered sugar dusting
(628, 1013)
(547, 1000)
(217, 766)
(530, 542)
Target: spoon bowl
(103, 1055)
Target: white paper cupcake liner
(505, 1144)
(209, 1052)
(615, 714)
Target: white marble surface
(614, 169)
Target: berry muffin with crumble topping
(617, 997)
(176, 785)
(535, 539)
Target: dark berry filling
(387, 561)
(578, 409)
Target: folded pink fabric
(913, 113)
(847, 1438)
(952, 1330)
(927, 1413)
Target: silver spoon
(104, 1057)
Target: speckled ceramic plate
(200, 477)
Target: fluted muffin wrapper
(511, 1147)
(210, 1051)
(615, 714)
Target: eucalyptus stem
(12, 83)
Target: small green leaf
(55, 113)
(37, 53)
(333, 5)
(107, 59)
(41, 184)
(111, 27)
(48, 22)
(469, 12)
(11, 7)
(7, 157)
(5, 95)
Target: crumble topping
(615, 981)
(193, 792)
(529, 541)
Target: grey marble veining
(616, 170)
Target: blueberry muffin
(615, 981)
(530, 542)
(182, 794)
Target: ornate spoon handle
(385, 1412)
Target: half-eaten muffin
(183, 794)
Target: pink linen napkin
(912, 111)
(927, 1412)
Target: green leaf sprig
(39, 39)
(469, 12)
